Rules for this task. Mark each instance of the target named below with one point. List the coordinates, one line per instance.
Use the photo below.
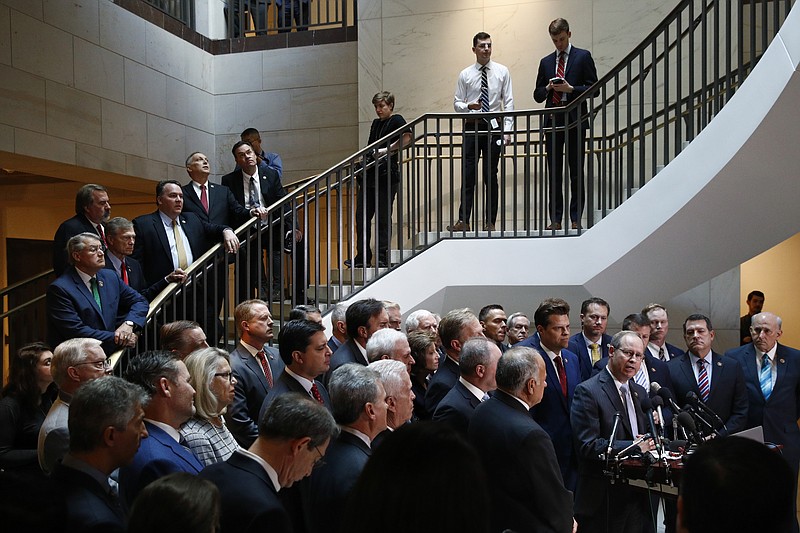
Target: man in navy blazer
(659, 327)
(601, 506)
(478, 365)
(524, 480)
(166, 380)
(306, 355)
(120, 238)
(284, 229)
(778, 411)
(579, 73)
(252, 386)
(552, 413)
(294, 436)
(727, 395)
(91, 211)
(73, 310)
(157, 252)
(363, 318)
(359, 407)
(591, 344)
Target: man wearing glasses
(600, 505)
(88, 300)
(75, 362)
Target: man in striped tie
(717, 380)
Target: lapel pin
(783, 361)
(719, 363)
(99, 282)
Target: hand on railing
(260, 212)
(230, 242)
(176, 276)
(124, 336)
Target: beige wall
(775, 274)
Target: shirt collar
(271, 472)
(478, 393)
(171, 431)
(363, 436)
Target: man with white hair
(395, 315)
(399, 397)
(421, 319)
(390, 344)
(339, 326)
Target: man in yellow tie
(591, 343)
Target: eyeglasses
(630, 354)
(320, 461)
(99, 365)
(225, 375)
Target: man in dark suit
(106, 423)
(168, 241)
(591, 344)
(339, 326)
(166, 380)
(659, 327)
(359, 407)
(455, 329)
(256, 367)
(91, 211)
(363, 318)
(293, 438)
(524, 480)
(306, 354)
(89, 301)
(601, 506)
(776, 405)
(399, 396)
(755, 303)
(478, 365)
(718, 381)
(493, 321)
(256, 187)
(562, 77)
(563, 375)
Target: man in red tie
(256, 367)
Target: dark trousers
(256, 8)
(370, 202)
(479, 144)
(575, 138)
(297, 10)
(257, 283)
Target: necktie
(485, 397)
(560, 74)
(253, 193)
(484, 89)
(124, 271)
(315, 393)
(102, 234)
(95, 292)
(182, 261)
(662, 354)
(265, 367)
(626, 397)
(562, 376)
(204, 197)
(702, 380)
(595, 352)
(766, 377)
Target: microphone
(658, 403)
(634, 444)
(687, 422)
(647, 407)
(613, 435)
(666, 394)
(692, 398)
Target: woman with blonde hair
(206, 433)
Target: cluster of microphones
(692, 424)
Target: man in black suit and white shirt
(363, 319)
(256, 367)
(524, 478)
(91, 211)
(293, 438)
(659, 327)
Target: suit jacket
(249, 392)
(779, 414)
(524, 480)
(457, 407)
(68, 229)
(728, 397)
(552, 413)
(347, 353)
(158, 455)
(580, 72)
(332, 344)
(136, 279)
(248, 500)
(72, 311)
(577, 345)
(287, 383)
(89, 507)
(673, 351)
(152, 246)
(440, 384)
(325, 493)
(223, 207)
(596, 402)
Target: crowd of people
(303, 436)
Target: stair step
(327, 294)
(358, 276)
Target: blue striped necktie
(766, 377)
(702, 380)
